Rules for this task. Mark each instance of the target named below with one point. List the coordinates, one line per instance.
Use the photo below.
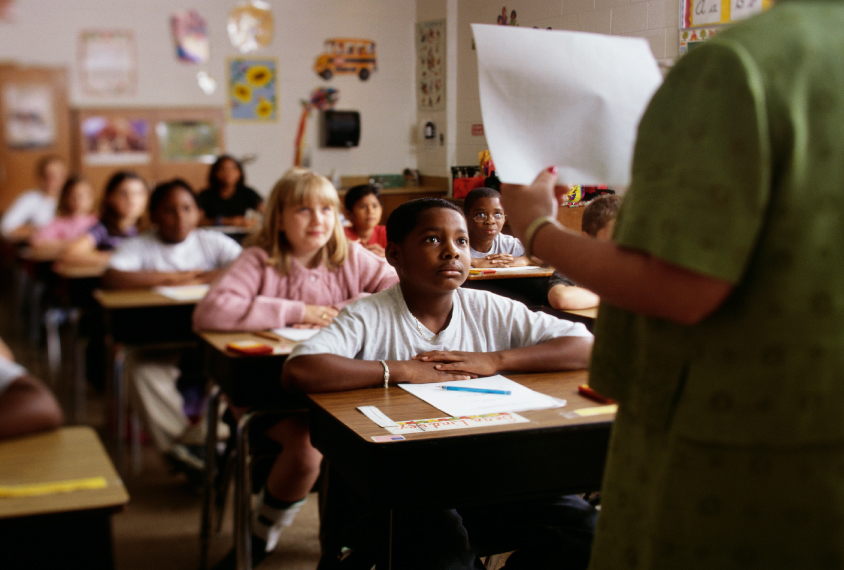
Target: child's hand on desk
(473, 364)
(416, 371)
(319, 315)
(493, 260)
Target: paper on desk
(569, 99)
(296, 335)
(520, 399)
(184, 292)
(522, 269)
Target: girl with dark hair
(227, 199)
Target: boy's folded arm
(562, 353)
(312, 373)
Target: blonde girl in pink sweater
(298, 270)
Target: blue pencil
(478, 390)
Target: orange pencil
(592, 394)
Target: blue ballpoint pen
(478, 390)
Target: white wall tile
(596, 21)
(630, 18)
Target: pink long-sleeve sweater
(255, 296)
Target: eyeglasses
(482, 216)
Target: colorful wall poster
(693, 36)
(697, 13)
(250, 25)
(190, 33)
(115, 140)
(108, 62)
(252, 89)
(29, 116)
(180, 141)
(430, 65)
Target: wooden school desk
(52, 530)
(527, 285)
(252, 381)
(555, 453)
(137, 316)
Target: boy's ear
(393, 254)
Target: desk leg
(77, 367)
(385, 550)
(210, 488)
(243, 497)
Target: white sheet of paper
(522, 269)
(454, 403)
(184, 292)
(567, 99)
(296, 335)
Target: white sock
(269, 521)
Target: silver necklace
(422, 330)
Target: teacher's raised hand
(525, 204)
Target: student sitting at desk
(174, 253)
(35, 208)
(299, 272)
(123, 204)
(363, 210)
(228, 199)
(429, 329)
(74, 217)
(485, 218)
(26, 404)
(598, 221)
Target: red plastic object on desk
(593, 395)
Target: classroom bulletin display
(702, 19)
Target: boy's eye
(462, 241)
(432, 239)
(482, 216)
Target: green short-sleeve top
(738, 173)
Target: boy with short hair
(429, 329)
(598, 221)
(485, 218)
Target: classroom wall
(45, 32)
(655, 20)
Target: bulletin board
(697, 13)
(702, 19)
(157, 143)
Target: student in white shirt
(429, 329)
(35, 208)
(175, 252)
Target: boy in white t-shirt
(429, 329)
(174, 253)
(485, 218)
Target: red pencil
(592, 394)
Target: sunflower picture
(252, 89)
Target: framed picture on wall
(252, 89)
(188, 141)
(115, 140)
(108, 62)
(29, 117)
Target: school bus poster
(346, 56)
